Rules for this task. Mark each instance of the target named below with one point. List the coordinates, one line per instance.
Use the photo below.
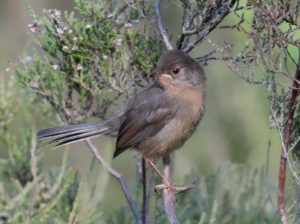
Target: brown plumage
(161, 118)
(156, 121)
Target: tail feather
(72, 133)
(67, 141)
(50, 132)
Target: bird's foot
(171, 187)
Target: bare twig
(119, 177)
(197, 26)
(169, 193)
(146, 182)
(161, 27)
(145, 217)
(287, 139)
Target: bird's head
(177, 68)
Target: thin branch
(287, 139)
(200, 37)
(161, 27)
(145, 217)
(286, 151)
(119, 177)
(208, 24)
(169, 193)
(146, 182)
(182, 36)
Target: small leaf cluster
(84, 60)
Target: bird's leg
(153, 166)
(166, 184)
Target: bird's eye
(176, 70)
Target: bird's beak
(164, 78)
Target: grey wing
(142, 120)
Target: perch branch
(120, 179)
(168, 194)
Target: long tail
(72, 133)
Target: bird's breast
(189, 104)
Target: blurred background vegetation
(228, 154)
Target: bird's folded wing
(144, 119)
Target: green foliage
(231, 194)
(28, 193)
(85, 61)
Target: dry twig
(119, 177)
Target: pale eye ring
(176, 70)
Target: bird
(156, 121)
